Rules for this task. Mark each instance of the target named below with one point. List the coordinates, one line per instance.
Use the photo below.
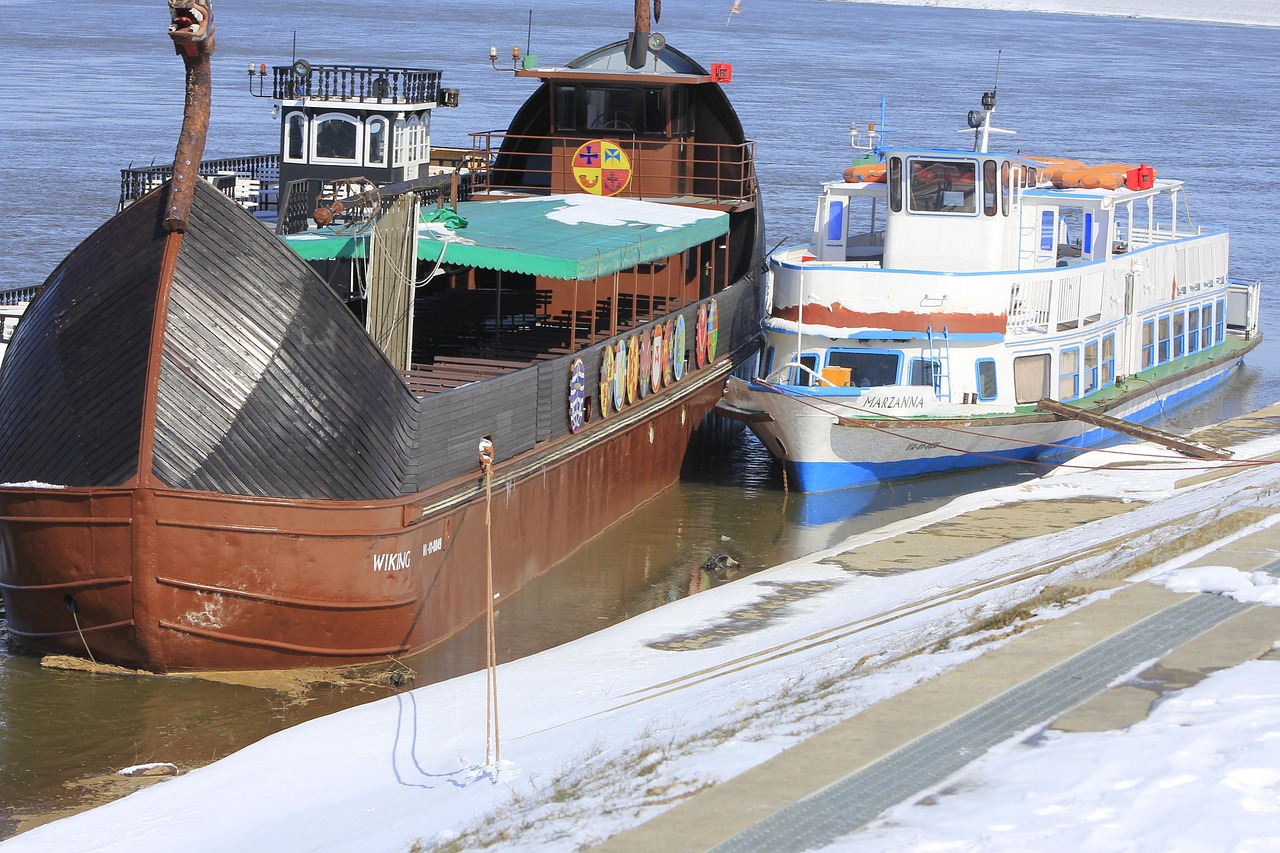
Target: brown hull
(183, 580)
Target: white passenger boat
(967, 308)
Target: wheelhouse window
(336, 139)
(867, 368)
(1069, 374)
(295, 138)
(1031, 377)
(610, 109)
(990, 201)
(986, 379)
(943, 186)
(376, 143)
(895, 184)
(924, 371)
(1108, 367)
(806, 373)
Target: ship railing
(368, 84)
(361, 199)
(245, 179)
(720, 173)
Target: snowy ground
(1264, 13)
(603, 733)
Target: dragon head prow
(191, 26)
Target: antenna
(528, 40)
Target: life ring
(645, 361)
(620, 376)
(700, 337)
(606, 380)
(677, 349)
(713, 317)
(633, 368)
(577, 395)
(668, 341)
(655, 363)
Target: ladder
(940, 362)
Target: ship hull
(826, 448)
(244, 481)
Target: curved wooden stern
(202, 437)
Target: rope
(75, 610)
(492, 745)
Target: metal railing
(359, 83)
(719, 172)
(299, 199)
(137, 182)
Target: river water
(85, 93)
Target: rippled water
(1197, 101)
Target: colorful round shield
(646, 359)
(620, 376)
(606, 380)
(633, 368)
(577, 395)
(677, 349)
(668, 340)
(601, 168)
(655, 364)
(700, 337)
(712, 321)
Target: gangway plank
(1176, 442)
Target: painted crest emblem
(601, 168)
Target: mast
(638, 42)
(191, 28)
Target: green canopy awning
(561, 236)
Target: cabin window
(1206, 327)
(924, 371)
(895, 184)
(1108, 359)
(806, 374)
(943, 186)
(1193, 330)
(1162, 349)
(610, 109)
(1090, 367)
(336, 138)
(1031, 377)
(655, 111)
(986, 379)
(565, 102)
(990, 201)
(835, 222)
(867, 368)
(295, 138)
(1148, 344)
(1069, 374)
(1220, 321)
(1006, 188)
(376, 144)
(1179, 334)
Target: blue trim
(830, 476)
(888, 335)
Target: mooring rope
(492, 743)
(75, 611)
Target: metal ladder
(940, 359)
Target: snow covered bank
(605, 732)
(1263, 13)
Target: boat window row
(955, 186)
(861, 368)
(1088, 368)
(636, 110)
(341, 138)
(1182, 332)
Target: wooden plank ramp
(1155, 436)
